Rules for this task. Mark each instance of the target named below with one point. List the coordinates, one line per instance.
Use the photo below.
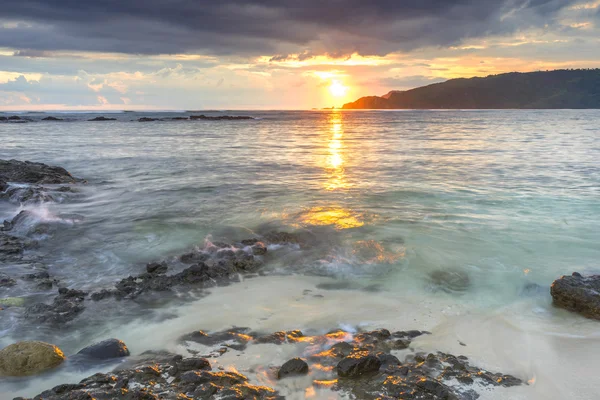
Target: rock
(179, 118)
(65, 307)
(3, 118)
(102, 119)
(450, 281)
(578, 293)
(31, 172)
(259, 249)
(15, 118)
(107, 349)
(52, 119)
(3, 185)
(146, 119)
(6, 281)
(194, 257)
(358, 363)
(157, 268)
(293, 367)
(29, 358)
(219, 118)
(12, 247)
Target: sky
(273, 54)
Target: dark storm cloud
(262, 26)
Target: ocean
(454, 222)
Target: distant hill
(578, 88)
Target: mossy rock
(29, 358)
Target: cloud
(263, 26)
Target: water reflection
(335, 216)
(336, 174)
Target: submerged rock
(450, 280)
(32, 172)
(65, 307)
(578, 293)
(52, 119)
(107, 349)
(6, 280)
(147, 119)
(29, 358)
(293, 367)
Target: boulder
(32, 172)
(293, 367)
(358, 363)
(29, 358)
(577, 293)
(105, 350)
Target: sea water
(455, 222)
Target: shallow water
(505, 201)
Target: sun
(337, 89)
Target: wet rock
(577, 293)
(102, 119)
(450, 281)
(189, 364)
(6, 281)
(388, 359)
(147, 119)
(280, 337)
(107, 349)
(29, 358)
(219, 118)
(179, 118)
(28, 194)
(15, 118)
(358, 363)
(3, 118)
(157, 268)
(235, 338)
(3, 185)
(65, 307)
(259, 249)
(36, 276)
(194, 257)
(12, 247)
(342, 349)
(52, 119)
(32, 172)
(293, 367)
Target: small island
(560, 89)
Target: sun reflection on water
(336, 174)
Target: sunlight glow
(337, 89)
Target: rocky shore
(361, 364)
(367, 365)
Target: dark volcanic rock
(219, 118)
(52, 119)
(157, 268)
(65, 307)
(102, 119)
(12, 247)
(31, 172)
(358, 363)
(6, 281)
(107, 349)
(578, 293)
(295, 366)
(219, 264)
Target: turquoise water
(503, 201)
